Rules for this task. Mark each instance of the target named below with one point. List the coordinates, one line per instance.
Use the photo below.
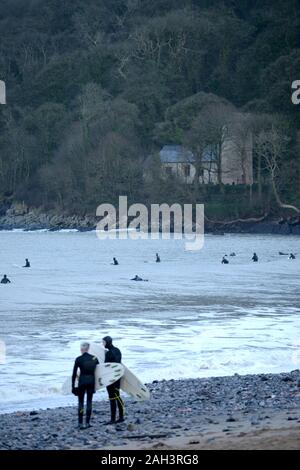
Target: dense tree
(94, 87)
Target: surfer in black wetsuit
(292, 256)
(254, 258)
(86, 363)
(157, 258)
(114, 355)
(115, 262)
(27, 263)
(225, 260)
(5, 280)
(138, 278)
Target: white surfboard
(133, 386)
(105, 374)
(98, 350)
(130, 384)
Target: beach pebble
(230, 419)
(287, 378)
(131, 427)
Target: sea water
(193, 318)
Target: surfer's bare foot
(88, 425)
(80, 427)
(108, 423)
(120, 420)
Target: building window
(187, 170)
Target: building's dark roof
(178, 154)
(175, 154)
(208, 155)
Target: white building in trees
(235, 165)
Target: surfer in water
(5, 280)
(138, 278)
(86, 363)
(157, 258)
(115, 262)
(114, 354)
(292, 256)
(27, 263)
(254, 258)
(225, 260)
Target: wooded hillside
(96, 86)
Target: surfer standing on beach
(86, 363)
(114, 354)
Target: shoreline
(261, 228)
(218, 412)
(21, 217)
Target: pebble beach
(219, 412)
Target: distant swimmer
(157, 258)
(232, 254)
(5, 280)
(27, 263)
(225, 260)
(115, 262)
(292, 256)
(254, 258)
(138, 278)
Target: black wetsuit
(27, 264)
(114, 355)
(225, 261)
(87, 365)
(255, 258)
(5, 280)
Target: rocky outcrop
(19, 216)
(276, 227)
